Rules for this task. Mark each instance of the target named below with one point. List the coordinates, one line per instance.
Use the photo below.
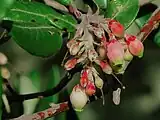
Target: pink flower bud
(78, 98)
(84, 78)
(115, 52)
(116, 28)
(135, 46)
(70, 64)
(90, 88)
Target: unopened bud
(90, 88)
(5, 73)
(135, 46)
(70, 64)
(78, 98)
(115, 53)
(3, 59)
(116, 28)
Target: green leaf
(30, 84)
(4, 6)
(101, 3)
(125, 11)
(142, 20)
(54, 79)
(34, 12)
(157, 38)
(64, 2)
(39, 40)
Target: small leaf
(39, 40)
(4, 6)
(125, 11)
(101, 3)
(34, 12)
(157, 38)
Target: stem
(65, 80)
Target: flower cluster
(100, 41)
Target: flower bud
(71, 42)
(70, 64)
(102, 52)
(115, 53)
(5, 73)
(84, 78)
(135, 46)
(75, 48)
(78, 98)
(128, 56)
(92, 55)
(90, 88)
(116, 28)
(3, 59)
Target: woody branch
(152, 24)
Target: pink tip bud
(70, 64)
(115, 52)
(90, 88)
(135, 46)
(84, 78)
(116, 28)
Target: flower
(70, 64)
(115, 52)
(116, 28)
(135, 46)
(78, 98)
(90, 88)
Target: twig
(144, 2)
(50, 112)
(68, 76)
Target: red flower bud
(84, 78)
(70, 64)
(135, 46)
(116, 28)
(90, 88)
(115, 52)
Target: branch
(50, 112)
(68, 76)
(151, 25)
